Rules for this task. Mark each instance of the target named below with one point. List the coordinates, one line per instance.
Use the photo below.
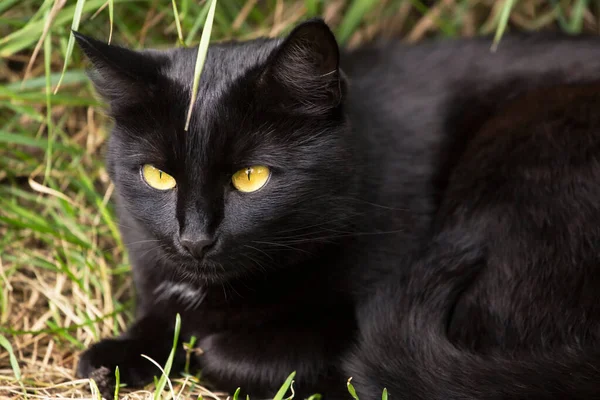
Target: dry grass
(64, 278)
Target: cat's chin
(205, 271)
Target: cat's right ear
(119, 75)
(303, 72)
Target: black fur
(360, 144)
(503, 303)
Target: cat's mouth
(198, 262)
(206, 271)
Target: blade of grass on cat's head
(284, 388)
(202, 51)
(504, 15)
(71, 44)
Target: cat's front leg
(150, 335)
(259, 362)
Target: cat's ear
(306, 68)
(119, 74)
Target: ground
(64, 275)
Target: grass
(64, 277)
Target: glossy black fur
(360, 157)
(503, 302)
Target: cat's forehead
(225, 62)
(215, 123)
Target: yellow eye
(157, 179)
(251, 179)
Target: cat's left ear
(120, 75)
(305, 69)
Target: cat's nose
(196, 245)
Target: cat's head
(262, 176)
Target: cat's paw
(100, 361)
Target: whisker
(141, 241)
(281, 245)
(259, 250)
(345, 235)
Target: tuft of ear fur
(119, 74)
(305, 67)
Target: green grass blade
(177, 23)
(189, 348)
(9, 137)
(312, 7)
(354, 15)
(49, 125)
(6, 4)
(25, 37)
(71, 77)
(284, 388)
(197, 24)
(577, 16)
(111, 18)
(185, 6)
(384, 395)
(117, 382)
(504, 15)
(71, 44)
(14, 364)
(162, 382)
(202, 51)
(236, 395)
(441, 23)
(351, 390)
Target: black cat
(298, 187)
(504, 301)
(250, 223)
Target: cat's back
(546, 141)
(513, 270)
(529, 181)
(414, 106)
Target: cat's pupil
(160, 174)
(248, 172)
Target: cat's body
(503, 302)
(358, 179)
